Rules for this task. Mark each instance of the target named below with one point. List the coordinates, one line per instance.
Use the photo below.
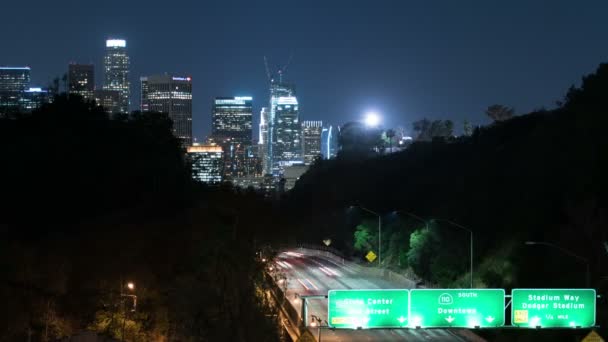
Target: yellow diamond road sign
(593, 337)
(371, 256)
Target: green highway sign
(354, 309)
(467, 308)
(553, 308)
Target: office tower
(329, 142)
(311, 140)
(253, 163)
(207, 163)
(81, 80)
(263, 134)
(283, 146)
(108, 99)
(13, 82)
(171, 95)
(232, 130)
(33, 98)
(116, 68)
(232, 119)
(287, 134)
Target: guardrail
(284, 303)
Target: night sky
(404, 59)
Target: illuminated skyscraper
(116, 67)
(311, 140)
(263, 136)
(33, 98)
(283, 146)
(232, 120)
(13, 82)
(207, 163)
(173, 96)
(232, 130)
(81, 80)
(329, 142)
(287, 134)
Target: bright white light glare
(313, 324)
(473, 322)
(372, 119)
(416, 321)
(535, 322)
(131, 286)
(116, 43)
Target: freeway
(310, 273)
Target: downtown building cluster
(282, 152)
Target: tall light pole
(471, 242)
(379, 230)
(131, 287)
(569, 253)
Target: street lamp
(316, 322)
(379, 230)
(131, 286)
(567, 252)
(471, 242)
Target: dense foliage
(91, 202)
(539, 176)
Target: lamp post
(131, 286)
(471, 242)
(379, 230)
(567, 252)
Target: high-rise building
(232, 119)
(33, 98)
(108, 99)
(171, 95)
(13, 82)
(287, 148)
(232, 130)
(311, 140)
(263, 133)
(116, 68)
(81, 80)
(278, 89)
(329, 142)
(207, 163)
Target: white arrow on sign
(450, 319)
(490, 319)
(401, 319)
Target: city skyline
(406, 68)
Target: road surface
(310, 272)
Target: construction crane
(280, 71)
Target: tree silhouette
(499, 112)
(390, 134)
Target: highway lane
(310, 274)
